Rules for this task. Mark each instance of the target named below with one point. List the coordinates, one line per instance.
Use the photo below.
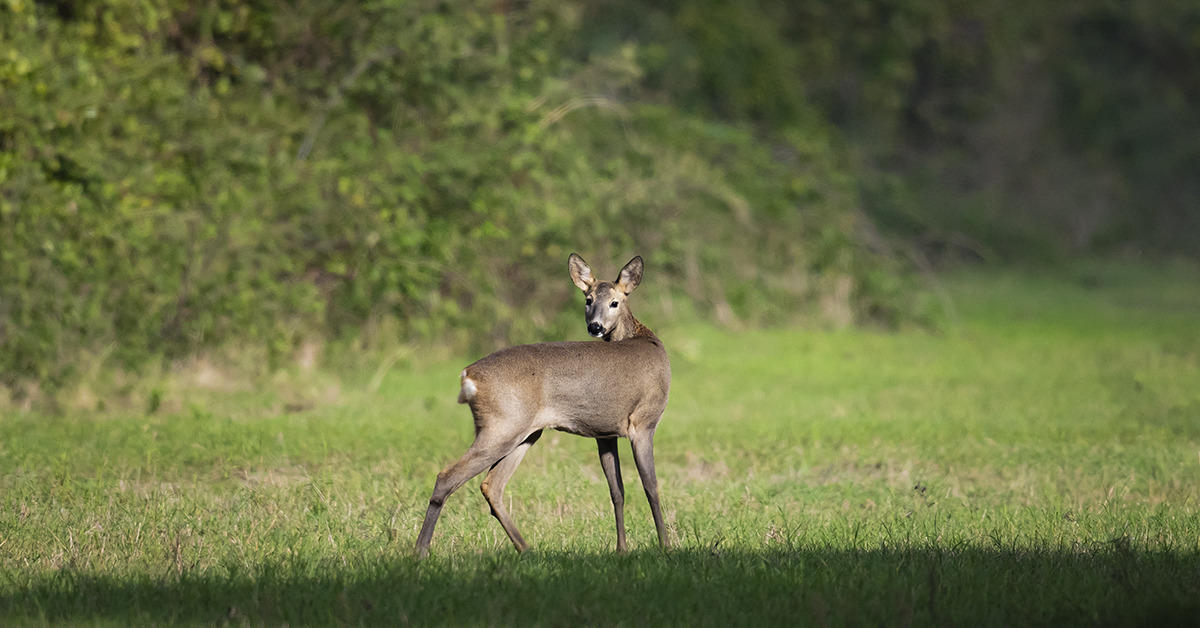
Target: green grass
(1036, 464)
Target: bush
(178, 177)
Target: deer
(603, 390)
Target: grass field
(1038, 463)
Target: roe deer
(601, 390)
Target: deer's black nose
(595, 329)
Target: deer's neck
(629, 327)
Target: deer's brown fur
(602, 390)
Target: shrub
(178, 177)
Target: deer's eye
(587, 301)
(614, 304)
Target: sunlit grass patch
(1039, 464)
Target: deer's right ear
(581, 273)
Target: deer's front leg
(610, 461)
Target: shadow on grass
(969, 587)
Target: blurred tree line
(176, 176)
(1016, 129)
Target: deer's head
(605, 305)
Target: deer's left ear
(631, 275)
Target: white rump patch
(468, 388)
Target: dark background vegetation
(181, 176)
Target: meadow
(1035, 462)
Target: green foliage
(178, 177)
(141, 202)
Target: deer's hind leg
(488, 449)
(493, 488)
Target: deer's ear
(581, 273)
(631, 275)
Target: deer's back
(586, 388)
